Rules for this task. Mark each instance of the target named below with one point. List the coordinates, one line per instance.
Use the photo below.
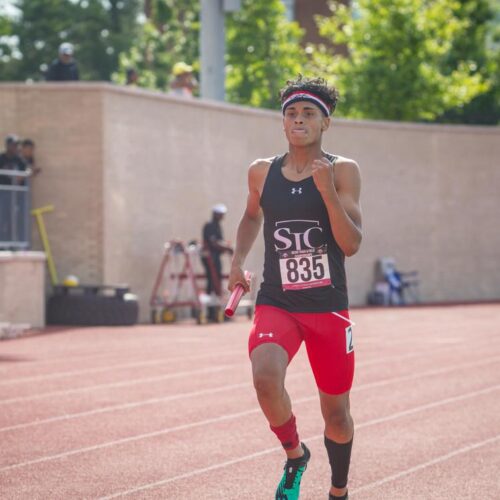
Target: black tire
(168, 316)
(155, 316)
(91, 310)
(201, 317)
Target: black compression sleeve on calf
(339, 456)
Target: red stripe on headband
(296, 96)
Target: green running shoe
(289, 487)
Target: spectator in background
(10, 159)
(184, 82)
(27, 154)
(64, 68)
(214, 246)
(132, 77)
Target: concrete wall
(22, 288)
(129, 169)
(66, 124)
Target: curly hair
(317, 86)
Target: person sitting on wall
(184, 82)
(64, 68)
(132, 77)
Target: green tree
(9, 54)
(403, 62)
(263, 51)
(262, 48)
(169, 33)
(480, 45)
(99, 29)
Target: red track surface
(169, 411)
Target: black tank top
(303, 264)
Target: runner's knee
(338, 419)
(268, 382)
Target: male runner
(309, 201)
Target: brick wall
(128, 169)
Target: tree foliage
(424, 60)
(481, 45)
(407, 59)
(168, 34)
(99, 29)
(262, 48)
(263, 51)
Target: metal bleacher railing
(15, 204)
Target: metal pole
(212, 50)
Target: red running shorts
(328, 340)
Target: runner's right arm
(250, 223)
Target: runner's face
(304, 123)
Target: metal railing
(15, 205)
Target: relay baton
(235, 298)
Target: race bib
(302, 269)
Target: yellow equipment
(37, 213)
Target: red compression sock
(287, 434)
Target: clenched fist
(322, 172)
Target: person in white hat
(214, 246)
(64, 68)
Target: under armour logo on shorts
(297, 190)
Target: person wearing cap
(308, 200)
(9, 160)
(64, 68)
(184, 83)
(214, 246)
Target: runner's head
(314, 90)
(307, 105)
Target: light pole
(213, 47)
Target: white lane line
(162, 361)
(126, 383)
(232, 416)
(63, 357)
(127, 406)
(369, 423)
(70, 391)
(162, 431)
(430, 373)
(424, 465)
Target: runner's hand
(322, 172)
(237, 276)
